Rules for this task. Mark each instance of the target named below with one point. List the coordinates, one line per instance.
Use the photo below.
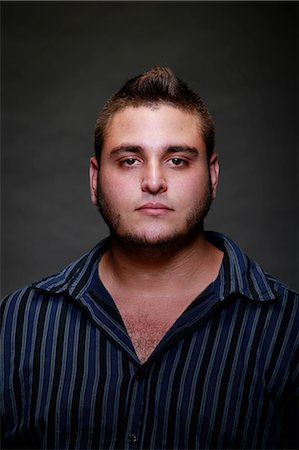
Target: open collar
(238, 273)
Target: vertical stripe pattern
(224, 377)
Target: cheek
(116, 188)
(193, 187)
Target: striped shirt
(223, 376)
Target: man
(163, 336)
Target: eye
(129, 162)
(178, 162)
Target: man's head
(155, 173)
(152, 88)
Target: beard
(178, 238)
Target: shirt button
(132, 438)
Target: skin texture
(154, 188)
(141, 166)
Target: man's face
(155, 185)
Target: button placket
(135, 416)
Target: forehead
(148, 126)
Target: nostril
(154, 186)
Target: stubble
(178, 238)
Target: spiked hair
(158, 85)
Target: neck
(155, 269)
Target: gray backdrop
(61, 60)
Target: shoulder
(22, 309)
(281, 289)
(67, 283)
(286, 301)
(244, 275)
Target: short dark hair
(158, 85)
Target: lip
(154, 209)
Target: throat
(152, 300)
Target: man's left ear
(214, 173)
(93, 179)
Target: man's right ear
(93, 179)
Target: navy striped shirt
(223, 377)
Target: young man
(163, 336)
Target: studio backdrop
(60, 63)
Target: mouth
(154, 209)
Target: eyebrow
(138, 149)
(183, 149)
(125, 149)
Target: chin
(156, 240)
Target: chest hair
(147, 329)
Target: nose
(153, 180)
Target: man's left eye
(178, 161)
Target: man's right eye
(129, 162)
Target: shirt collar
(75, 279)
(238, 273)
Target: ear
(93, 179)
(214, 173)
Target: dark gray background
(60, 62)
